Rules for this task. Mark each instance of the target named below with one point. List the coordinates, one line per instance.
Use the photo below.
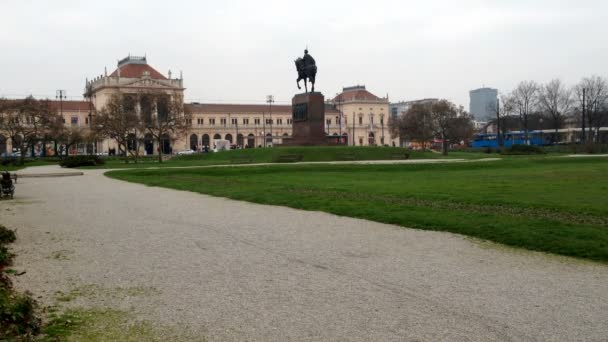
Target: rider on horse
(308, 60)
(307, 69)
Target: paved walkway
(236, 271)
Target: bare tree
(416, 123)
(525, 102)
(555, 100)
(163, 116)
(450, 123)
(442, 114)
(27, 121)
(596, 101)
(70, 136)
(119, 120)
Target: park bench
(289, 158)
(400, 156)
(241, 159)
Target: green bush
(523, 149)
(5, 257)
(6, 235)
(592, 148)
(18, 319)
(77, 161)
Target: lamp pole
(584, 110)
(542, 142)
(61, 95)
(264, 127)
(382, 122)
(270, 101)
(354, 129)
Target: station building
(355, 116)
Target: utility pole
(61, 95)
(236, 122)
(354, 144)
(340, 120)
(498, 136)
(584, 110)
(382, 122)
(270, 101)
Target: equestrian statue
(307, 69)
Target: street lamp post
(584, 110)
(61, 95)
(270, 101)
(542, 142)
(382, 122)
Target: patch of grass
(108, 325)
(93, 291)
(271, 155)
(555, 205)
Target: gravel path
(236, 271)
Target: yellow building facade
(356, 115)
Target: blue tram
(483, 140)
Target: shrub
(593, 148)
(18, 320)
(77, 161)
(523, 149)
(5, 257)
(6, 235)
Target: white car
(185, 152)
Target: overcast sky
(240, 51)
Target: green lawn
(270, 155)
(28, 163)
(555, 205)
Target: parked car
(185, 152)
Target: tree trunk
(160, 150)
(555, 135)
(444, 143)
(22, 150)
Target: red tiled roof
(71, 105)
(356, 95)
(137, 71)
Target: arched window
(251, 140)
(205, 139)
(193, 142)
(217, 137)
(239, 139)
(149, 144)
(165, 144)
(229, 137)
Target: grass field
(28, 163)
(555, 205)
(270, 155)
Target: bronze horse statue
(307, 69)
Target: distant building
(399, 108)
(483, 103)
(364, 117)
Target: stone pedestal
(308, 116)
